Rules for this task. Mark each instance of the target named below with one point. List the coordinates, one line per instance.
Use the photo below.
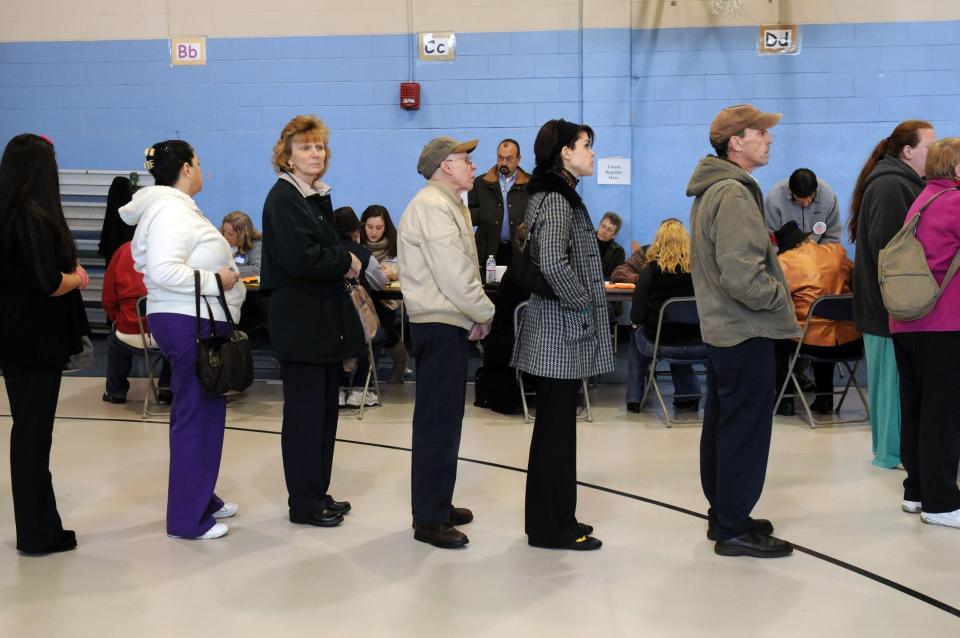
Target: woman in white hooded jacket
(173, 238)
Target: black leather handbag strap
(223, 304)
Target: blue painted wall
(650, 95)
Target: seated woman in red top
(122, 287)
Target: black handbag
(225, 362)
(526, 271)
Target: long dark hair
(30, 185)
(906, 134)
(389, 230)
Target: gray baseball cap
(437, 150)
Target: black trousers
(550, 515)
(33, 395)
(737, 424)
(929, 425)
(822, 371)
(440, 356)
(309, 431)
(504, 254)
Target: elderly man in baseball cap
(444, 298)
(744, 306)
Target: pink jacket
(939, 232)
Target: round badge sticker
(819, 228)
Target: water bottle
(491, 270)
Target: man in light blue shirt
(498, 202)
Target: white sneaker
(950, 519)
(911, 507)
(218, 530)
(228, 510)
(353, 399)
(343, 397)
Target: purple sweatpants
(197, 422)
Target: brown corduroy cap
(437, 150)
(734, 119)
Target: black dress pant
(550, 514)
(309, 431)
(737, 424)
(929, 425)
(823, 372)
(440, 357)
(33, 395)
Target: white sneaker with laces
(353, 399)
(217, 531)
(228, 510)
(950, 519)
(911, 507)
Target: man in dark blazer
(498, 202)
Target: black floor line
(903, 589)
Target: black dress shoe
(786, 407)
(164, 396)
(687, 405)
(633, 407)
(442, 536)
(338, 507)
(585, 530)
(753, 544)
(758, 525)
(67, 542)
(109, 399)
(325, 518)
(459, 516)
(584, 543)
(822, 405)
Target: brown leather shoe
(459, 516)
(442, 536)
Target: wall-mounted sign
(438, 46)
(778, 39)
(613, 170)
(189, 50)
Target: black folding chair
(586, 414)
(833, 308)
(678, 310)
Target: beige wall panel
(26, 20)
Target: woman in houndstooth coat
(561, 340)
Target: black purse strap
(223, 304)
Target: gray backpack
(909, 289)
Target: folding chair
(586, 414)
(149, 348)
(833, 308)
(371, 374)
(678, 310)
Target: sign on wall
(613, 170)
(188, 50)
(437, 46)
(778, 39)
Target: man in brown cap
(444, 298)
(744, 307)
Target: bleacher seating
(84, 197)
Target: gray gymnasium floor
(863, 567)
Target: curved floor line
(920, 596)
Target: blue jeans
(685, 382)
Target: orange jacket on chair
(813, 270)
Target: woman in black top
(42, 321)
(666, 275)
(313, 324)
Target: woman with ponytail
(42, 321)
(173, 239)
(888, 184)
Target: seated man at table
(122, 287)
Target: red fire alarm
(410, 95)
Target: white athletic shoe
(228, 510)
(950, 519)
(353, 399)
(911, 507)
(343, 397)
(218, 530)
